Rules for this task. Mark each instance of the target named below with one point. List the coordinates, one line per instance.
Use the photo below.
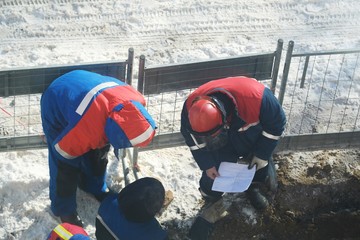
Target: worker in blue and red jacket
(228, 119)
(82, 114)
(233, 119)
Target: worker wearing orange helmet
(229, 119)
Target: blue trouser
(88, 172)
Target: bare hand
(212, 173)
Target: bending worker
(230, 119)
(82, 114)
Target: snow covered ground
(49, 32)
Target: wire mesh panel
(20, 115)
(321, 100)
(167, 87)
(20, 93)
(324, 97)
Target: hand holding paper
(234, 177)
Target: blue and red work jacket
(81, 110)
(256, 123)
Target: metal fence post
(286, 71)
(140, 86)
(122, 154)
(130, 62)
(304, 71)
(276, 65)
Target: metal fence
(320, 93)
(20, 93)
(166, 87)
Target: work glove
(204, 223)
(260, 163)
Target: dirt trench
(318, 198)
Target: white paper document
(234, 177)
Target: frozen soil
(318, 198)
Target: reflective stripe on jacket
(75, 108)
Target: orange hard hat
(205, 115)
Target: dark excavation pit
(318, 198)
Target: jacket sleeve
(204, 159)
(272, 120)
(82, 133)
(54, 132)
